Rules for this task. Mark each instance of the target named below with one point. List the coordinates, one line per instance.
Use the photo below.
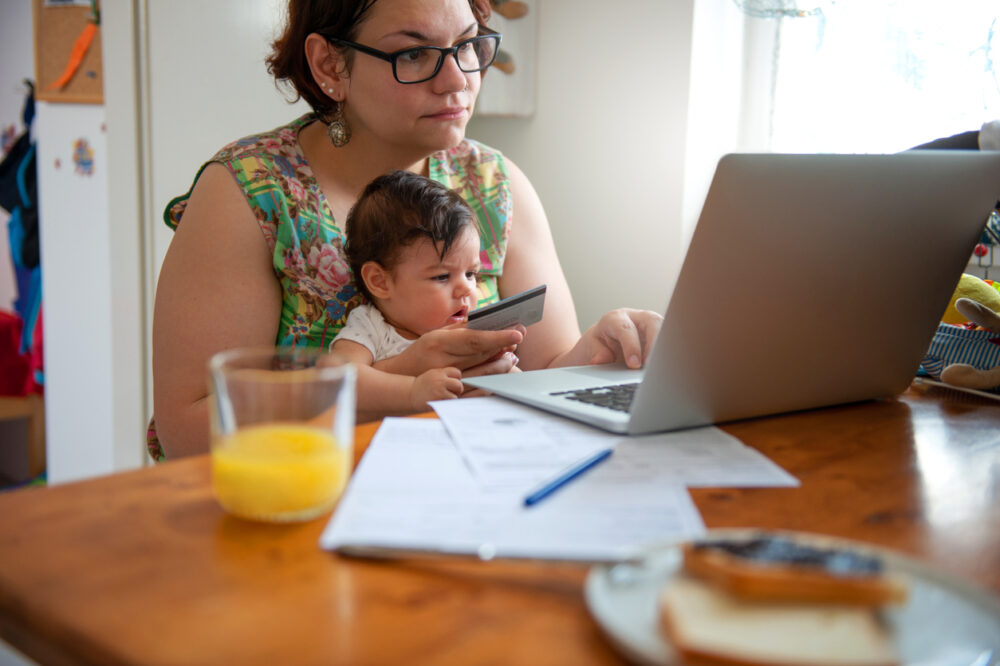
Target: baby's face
(427, 292)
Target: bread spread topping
(780, 551)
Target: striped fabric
(957, 344)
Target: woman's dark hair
(396, 210)
(332, 18)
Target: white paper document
(457, 485)
(412, 491)
(508, 445)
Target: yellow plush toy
(975, 289)
(965, 350)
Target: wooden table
(143, 567)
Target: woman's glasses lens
(424, 62)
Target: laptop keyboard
(617, 396)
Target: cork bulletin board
(58, 26)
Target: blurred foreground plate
(945, 621)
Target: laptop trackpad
(617, 373)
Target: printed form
(507, 444)
(413, 492)
(457, 486)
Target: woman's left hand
(624, 334)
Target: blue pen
(576, 470)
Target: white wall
(126, 245)
(194, 108)
(605, 149)
(606, 146)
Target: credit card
(524, 308)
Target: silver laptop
(810, 280)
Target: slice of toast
(709, 627)
(777, 568)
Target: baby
(413, 246)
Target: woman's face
(431, 115)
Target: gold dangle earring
(337, 128)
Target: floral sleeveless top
(306, 242)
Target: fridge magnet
(83, 157)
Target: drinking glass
(282, 431)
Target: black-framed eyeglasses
(422, 63)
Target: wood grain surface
(145, 568)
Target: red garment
(15, 370)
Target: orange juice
(279, 471)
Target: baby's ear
(377, 279)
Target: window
(877, 75)
(839, 76)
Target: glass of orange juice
(282, 431)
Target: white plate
(945, 621)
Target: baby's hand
(435, 384)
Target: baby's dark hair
(394, 211)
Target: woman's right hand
(458, 347)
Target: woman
(392, 84)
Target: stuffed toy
(965, 350)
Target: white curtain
(880, 76)
(844, 76)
